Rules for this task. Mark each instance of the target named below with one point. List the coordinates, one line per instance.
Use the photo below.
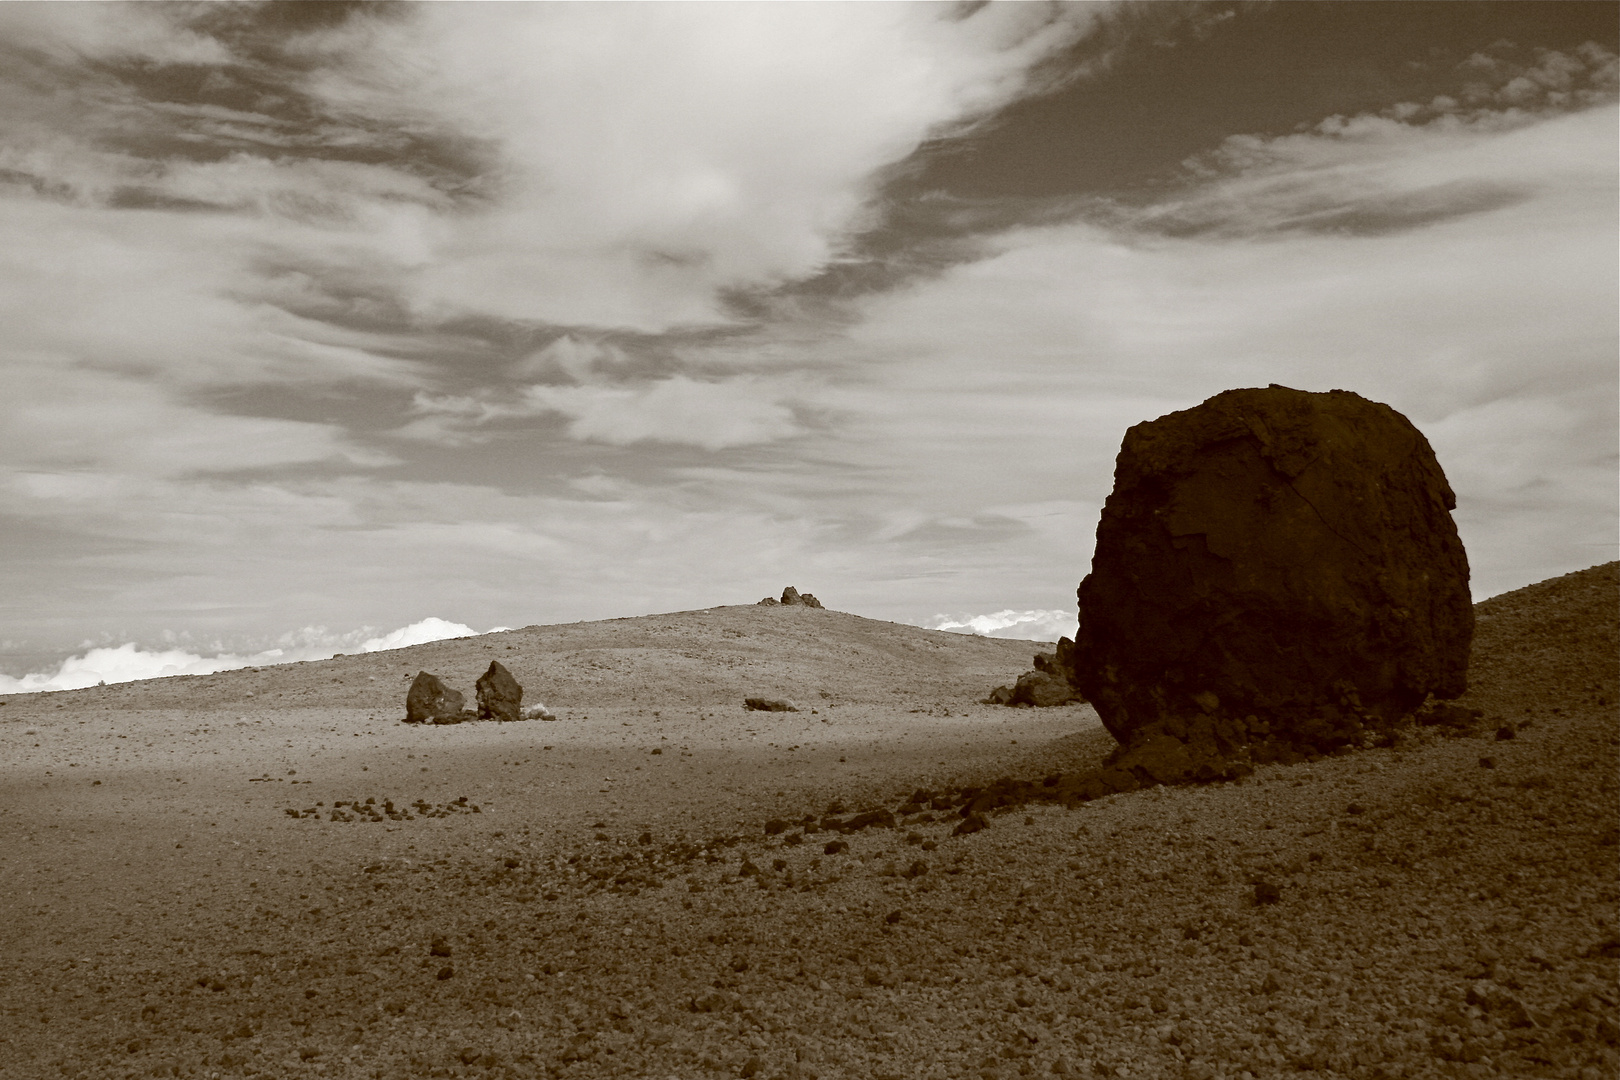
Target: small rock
(836, 847)
(446, 972)
(439, 947)
(759, 704)
(1504, 733)
(1266, 892)
(971, 824)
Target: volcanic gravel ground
(600, 896)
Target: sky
(318, 320)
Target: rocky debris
(759, 704)
(386, 810)
(499, 695)
(537, 711)
(1047, 686)
(430, 701)
(1276, 574)
(792, 597)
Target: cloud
(742, 142)
(1385, 173)
(711, 415)
(1048, 348)
(61, 417)
(1037, 625)
(129, 662)
(418, 633)
(152, 32)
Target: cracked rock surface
(666, 884)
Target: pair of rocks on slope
(500, 697)
(792, 597)
(1276, 575)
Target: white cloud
(129, 662)
(653, 156)
(1037, 625)
(419, 633)
(712, 415)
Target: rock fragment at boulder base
(430, 701)
(499, 695)
(1045, 687)
(792, 597)
(537, 711)
(1276, 574)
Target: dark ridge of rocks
(759, 704)
(499, 695)
(430, 701)
(1276, 573)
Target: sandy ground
(599, 896)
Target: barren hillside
(293, 883)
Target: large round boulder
(1277, 570)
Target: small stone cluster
(792, 597)
(387, 810)
(500, 697)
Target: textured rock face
(1048, 685)
(790, 596)
(499, 695)
(1274, 569)
(430, 701)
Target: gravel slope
(607, 902)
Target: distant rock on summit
(790, 597)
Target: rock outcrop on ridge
(792, 597)
(1276, 573)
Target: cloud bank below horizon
(130, 663)
(1040, 624)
